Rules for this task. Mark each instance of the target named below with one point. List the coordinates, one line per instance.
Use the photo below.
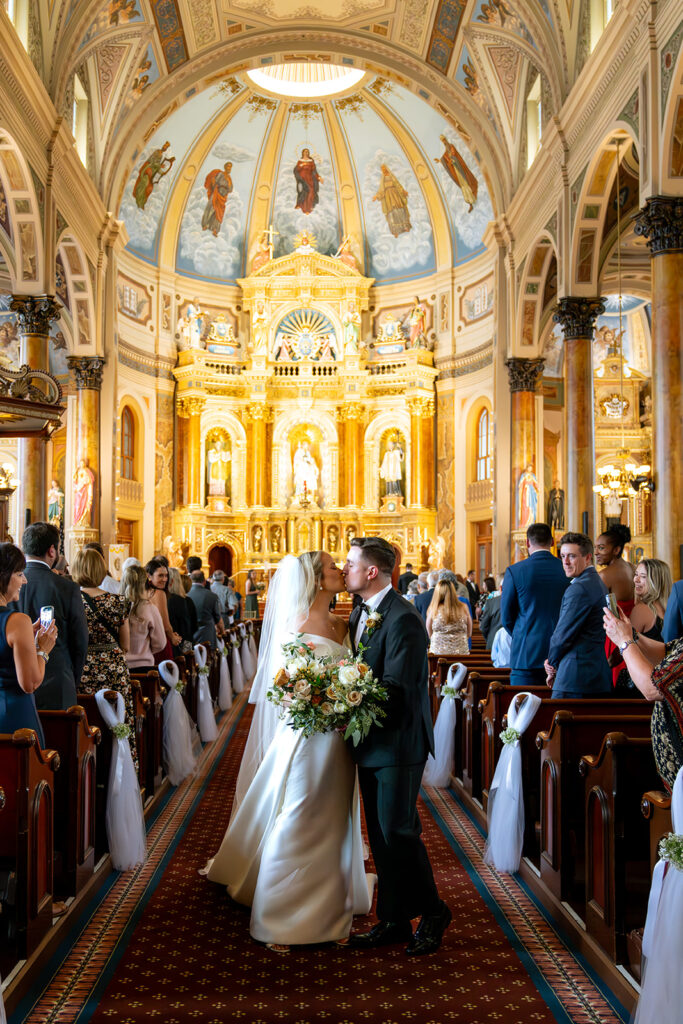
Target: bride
(293, 850)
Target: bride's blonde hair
(312, 565)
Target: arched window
(127, 444)
(484, 447)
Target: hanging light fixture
(624, 479)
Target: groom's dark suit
(391, 761)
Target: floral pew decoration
(206, 719)
(124, 819)
(505, 811)
(236, 671)
(246, 658)
(252, 644)
(224, 681)
(179, 730)
(439, 768)
(661, 993)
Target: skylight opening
(304, 80)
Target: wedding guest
(61, 567)
(490, 620)
(412, 591)
(209, 622)
(673, 620)
(489, 588)
(406, 578)
(181, 611)
(617, 575)
(234, 601)
(423, 600)
(251, 596)
(652, 585)
(157, 582)
(219, 588)
(24, 650)
(449, 623)
(147, 636)
(473, 588)
(109, 584)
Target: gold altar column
(190, 408)
(421, 411)
(351, 416)
(523, 376)
(661, 222)
(34, 316)
(258, 417)
(577, 318)
(87, 371)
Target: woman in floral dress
(108, 636)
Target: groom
(391, 759)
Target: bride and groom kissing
(293, 850)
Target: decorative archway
(221, 556)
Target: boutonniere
(373, 620)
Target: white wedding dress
(293, 850)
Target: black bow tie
(365, 608)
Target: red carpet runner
(190, 956)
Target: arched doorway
(220, 557)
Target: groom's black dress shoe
(429, 932)
(385, 933)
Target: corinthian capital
(190, 405)
(259, 411)
(421, 406)
(524, 373)
(661, 223)
(576, 316)
(87, 372)
(35, 313)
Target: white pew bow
(124, 819)
(206, 720)
(439, 768)
(177, 748)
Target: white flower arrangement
(121, 731)
(671, 849)
(510, 735)
(372, 622)
(203, 670)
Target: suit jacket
(423, 601)
(489, 623)
(208, 614)
(63, 671)
(673, 620)
(396, 651)
(530, 607)
(577, 647)
(473, 591)
(404, 579)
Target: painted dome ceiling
(348, 155)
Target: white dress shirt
(372, 603)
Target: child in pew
(24, 650)
(147, 635)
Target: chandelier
(625, 479)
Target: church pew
(617, 845)
(214, 674)
(102, 766)
(141, 705)
(188, 673)
(462, 739)
(492, 710)
(655, 807)
(477, 687)
(151, 688)
(438, 670)
(26, 844)
(69, 733)
(572, 735)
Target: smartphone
(611, 602)
(47, 614)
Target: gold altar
(305, 436)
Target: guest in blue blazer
(530, 606)
(673, 620)
(576, 665)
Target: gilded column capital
(353, 411)
(190, 405)
(524, 373)
(661, 222)
(421, 406)
(35, 313)
(576, 316)
(259, 412)
(87, 371)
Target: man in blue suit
(577, 665)
(530, 606)
(673, 620)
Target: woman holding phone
(24, 650)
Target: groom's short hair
(376, 551)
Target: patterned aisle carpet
(164, 943)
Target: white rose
(348, 674)
(327, 708)
(339, 708)
(295, 666)
(354, 698)
(302, 688)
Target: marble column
(577, 317)
(258, 416)
(85, 444)
(661, 222)
(351, 416)
(523, 376)
(189, 409)
(421, 409)
(34, 316)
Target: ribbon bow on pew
(439, 768)
(177, 747)
(206, 721)
(505, 810)
(235, 663)
(248, 662)
(124, 819)
(224, 685)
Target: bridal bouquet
(320, 694)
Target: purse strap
(90, 601)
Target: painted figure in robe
(152, 171)
(218, 187)
(345, 254)
(417, 321)
(307, 182)
(84, 482)
(219, 469)
(264, 252)
(556, 507)
(394, 199)
(391, 470)
(305, 471)
(527, 498)
(457, 169)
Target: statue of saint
(417, 322)
(219, 469)
(275, 538)
(83, 491)
(527, 498)
(391, 470)
(305, 471)
(259, 328)
(349, 534)
(351, 325)
(191, 325)
(333, 538)
(556, 507)
(55, 505)
(257, 538)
